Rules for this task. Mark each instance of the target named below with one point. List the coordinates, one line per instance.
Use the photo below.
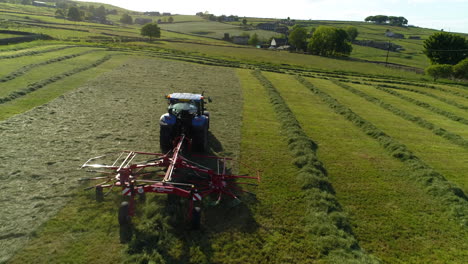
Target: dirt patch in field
(42, 150)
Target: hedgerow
(29, 67)
(452, 137)
(38, 85)
(325, 220)
(454, 199)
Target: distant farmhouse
(277, 26)
(390, 34)
(43, 4)
(279, 43)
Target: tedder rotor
(138, 173)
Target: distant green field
(216, 29)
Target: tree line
(391, 20)
(324, 41)
(448, 54)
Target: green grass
(83, 232)
(257, 56)
(215, 29)
(438, 154)
(373, 188)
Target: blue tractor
(186, 115)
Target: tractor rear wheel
(165, 139)
(196, 218)
(99, 194)
(200, 140)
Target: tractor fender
(167, 120)
(199, 121)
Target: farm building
(43, 4)
(267, 26)
(279, 43)
(142, 21)
(391, 34)
(241, 40)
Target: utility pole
(388, 51)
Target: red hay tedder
(138, 173)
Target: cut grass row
(426, 105)
(16, 91)
(12, 65)
(407, 115)
(439, 154)
(56, 89)
(324, 221)
(391, 216)
(23, 70)
(439, 95)
(32, 51)
(364, 115)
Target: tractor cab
(186, 114)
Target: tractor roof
(185, 96)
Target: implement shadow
(228, 215)
(170, 227)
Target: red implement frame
(126, 172)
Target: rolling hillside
(361, 163)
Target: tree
(445, 48)
(151, 30)
(298, 37)
(352, 33)
(74, 14)
(461, 69)
(253, 40)
(244, 21)
(392, 20)
(59, 13)
(126, 19)
(170, 20)
(440, 71)
(101, 13)
(329, 41)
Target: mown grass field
(360, 163)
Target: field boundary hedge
(452, 137)
(453, 197)
(25, 69)
(325, 218)
(40, 84)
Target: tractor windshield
(177, 108)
